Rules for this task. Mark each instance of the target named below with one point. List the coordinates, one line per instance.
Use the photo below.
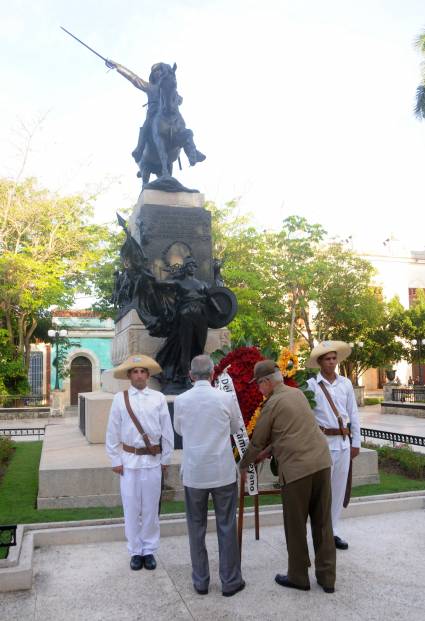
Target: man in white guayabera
(205, 417)
(335, 407)
(140, 421)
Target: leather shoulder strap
(137, 422)
(332, 404)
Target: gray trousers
(224, 501)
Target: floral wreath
(240, 363)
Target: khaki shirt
(287, 423)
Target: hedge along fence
(401, 458)
(6, 451)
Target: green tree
(252, 268)
(299, 243)
(13, 377)
(410, 324)
(47, 244)
(350, 308)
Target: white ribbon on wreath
(225, 382)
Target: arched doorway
(81, 377)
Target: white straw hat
(342, 350)
(137, 361)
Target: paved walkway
(380, 577)
(371, 417)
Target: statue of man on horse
(164, 132)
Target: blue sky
(301, 106)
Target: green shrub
(6, 450)
(403, 458)
(372, 400)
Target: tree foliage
(13, 377)
(47, 244)
(410, 326)
(420, 91)
(293, 288)
(252, 271)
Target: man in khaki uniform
(288, 426)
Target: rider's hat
(155, 67)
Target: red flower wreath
(240, 363)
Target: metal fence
(23, 432)
(409, 395)
(400, 438)
(23, 401)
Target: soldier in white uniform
(328, 383)
(140, 451)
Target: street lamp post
(56, 335)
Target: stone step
(75, 473)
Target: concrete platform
(403, 409)
(75, 473)
(380, 576)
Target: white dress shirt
(342, 393)
(150, 407)
(205, 417)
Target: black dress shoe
(285, 582)
(136, 562)
(327, 589)
(149, 561)
(340, 543)
(201, 591)
(239, 588)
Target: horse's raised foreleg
(194, 156)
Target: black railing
(7, 536)
(23, 431)
(409, 395)
(23, 401)
(391, 436)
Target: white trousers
(140, 493)
(339, 475)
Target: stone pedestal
(388, 391)
(58, 402)
(359, 394)
(96, 413)
(131, 337)
(171, 226)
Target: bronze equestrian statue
(164, 132)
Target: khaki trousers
(309, 496)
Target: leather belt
(336, 432)
(154, 449)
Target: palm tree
(420, 91)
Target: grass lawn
(18, 493)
